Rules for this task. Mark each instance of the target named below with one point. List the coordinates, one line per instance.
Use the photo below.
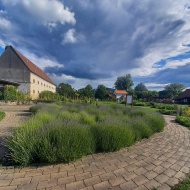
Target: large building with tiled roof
(16, 68)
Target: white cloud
(45, 11)
(4, 23)
(70, 37)
(41, 62)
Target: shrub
(184, 120)
(2, 115)
(10, 92)
(68, 131)
(138, 103)
(111, 137)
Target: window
(38, 82)
(33, 91)
(41, 83)
(33, 80)
(38, 92)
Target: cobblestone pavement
(160, 162)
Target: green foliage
(49, 96)
(184, 120)
(2, 115)
(66, 132)
(138, 103)
(101, 92)
(141, 87)
(10, 92)
(1, 95)
(184, 185)
(174, 89)
(124, 82)
(65, 90)
(87, 92)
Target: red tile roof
(120, 92)
(33, 68)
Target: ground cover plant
(184, 117)
(184, 185)
(66, 132)
(2, 115)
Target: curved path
(160, 162)
(13, 115)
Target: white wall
(38, 85)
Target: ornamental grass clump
(66, 132)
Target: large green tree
(124, 82)
(101, 92)
(87, 91)
(65, 90)
(141, 87)
(174, 89)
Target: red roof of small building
(123, 92)
(32, 67)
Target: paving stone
(162, 178)
(141, 187)
(83, 176)
(164, 187)
(117, 181)
(5, 182)
(172, 181)
(30, 186)
(140, 171)
(98, 172)
(140, 180)
(8, 188)
(152, 184)
(19, 181)
(159, 169)
(180, 175)
(128, 185)
(131, 167)
(185, 169)
(170, 172)
(107, 176)
(150, 175)
(103, 185)
(48, 183)
(176, 167)
(66, 180)
(92, 181)
(130, 175)
(75, 185)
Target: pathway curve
(13, 116)
(160, 162)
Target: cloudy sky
(95, 41)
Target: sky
(93, 42)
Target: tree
(65, 90)
(87, 91)
(10, 92)
(174, 89)
(141, 87)
(124, 82)
(101, 92)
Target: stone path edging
(161, 162)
